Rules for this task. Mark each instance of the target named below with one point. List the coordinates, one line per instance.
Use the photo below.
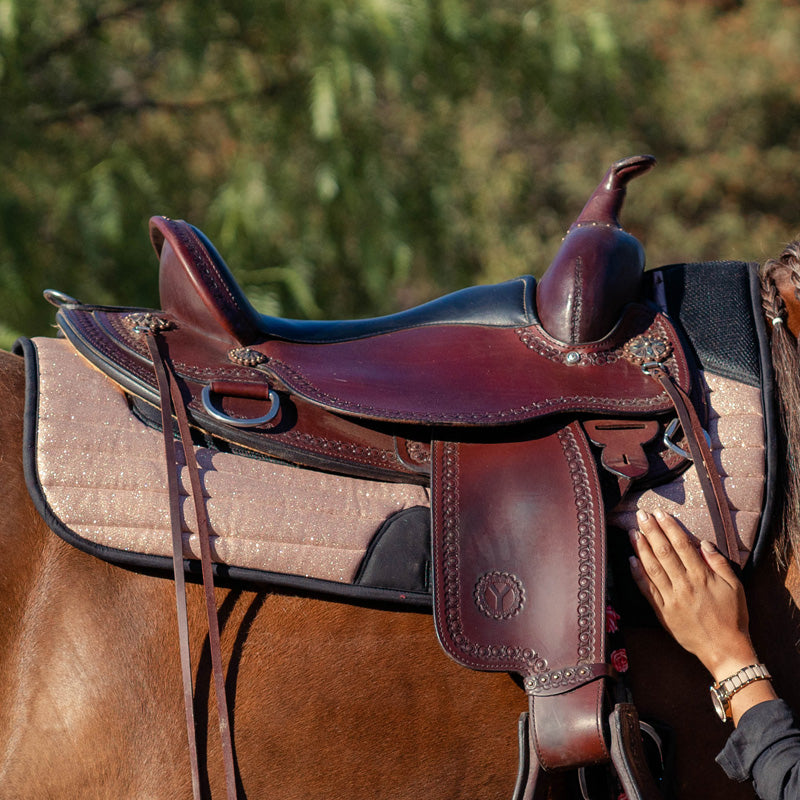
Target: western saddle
(504, 397)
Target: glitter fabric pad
(736, 429)
(102, 473)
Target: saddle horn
(598, 268)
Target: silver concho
(647, 350)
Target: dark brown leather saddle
(504, 397)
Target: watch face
(719, 707)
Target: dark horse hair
(777, 276)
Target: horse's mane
(784, 272)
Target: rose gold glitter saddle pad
(97, 474)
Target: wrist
(751, 695)
(731, 662)
(739, 687)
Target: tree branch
(94, 22)
(104, 108)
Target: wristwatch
(722, 692)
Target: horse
(328, 698)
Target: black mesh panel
(712, 301)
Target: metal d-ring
(670, 432)
(239, 422)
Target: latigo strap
(701, 454)
(171, 398)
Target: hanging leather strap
(529, 768)
(707, 472)
(177, 561)
(170, 393)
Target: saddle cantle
(503, 397)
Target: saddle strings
(171, 399)
(703, 459)
(177, 561)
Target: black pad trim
(771, 422)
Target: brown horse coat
(329, 700)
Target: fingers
(667, 559)
(664, 548)
(668, 556)
(718, 563)
(650, 576)
(663, 531)
(646, 586)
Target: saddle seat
(476, 358)
(506, 304)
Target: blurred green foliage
(354, 157)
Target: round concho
(647, 350)
(246, 357)
(499, 595)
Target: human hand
(694, 592)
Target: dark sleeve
(765, 747)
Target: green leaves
(352, 157)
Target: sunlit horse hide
(503, 399)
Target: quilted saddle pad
(97, 474)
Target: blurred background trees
(354, 157)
